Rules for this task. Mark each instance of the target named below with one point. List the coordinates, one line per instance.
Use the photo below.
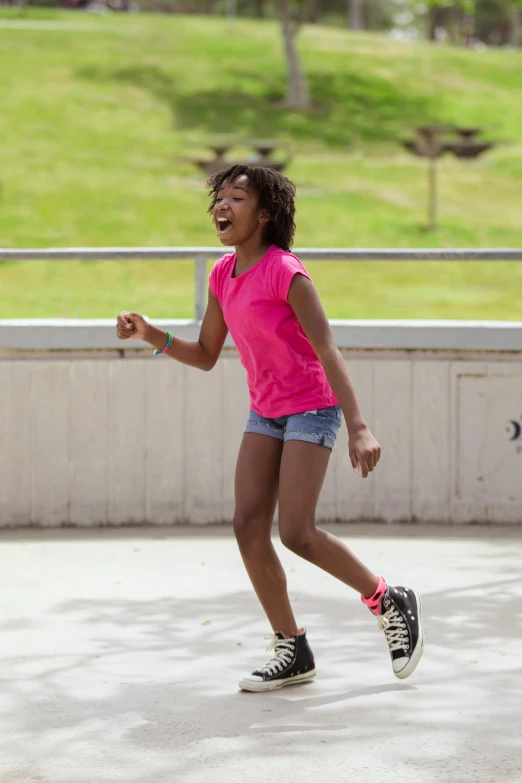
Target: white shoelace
(284, 652)
(394, 629)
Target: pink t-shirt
(284, 374)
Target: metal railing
(201, 255)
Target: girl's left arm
(304, 300)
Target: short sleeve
(284, 270)
(215, 280)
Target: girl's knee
(250, 528)
(299, 538)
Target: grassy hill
(101, 117)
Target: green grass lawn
(162, 289)
(101, 116)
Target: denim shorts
(320, 426)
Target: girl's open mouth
(223, 225)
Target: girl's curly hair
(276, 194)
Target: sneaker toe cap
(399, 664)
(255, 678)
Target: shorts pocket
(333, 412)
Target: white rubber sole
(275, 685)
(417, 653)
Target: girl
(299, 389)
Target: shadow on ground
(175, 680)
(348, 106)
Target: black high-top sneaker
(292, 663)
(401, 621)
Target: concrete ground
(121, 650)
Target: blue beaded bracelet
(157, 352)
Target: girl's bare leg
(256, 490)
(303, 468)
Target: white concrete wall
(112, 437)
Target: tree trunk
(514, 38)
(355, 14)
(298, 93)
(259, 8)
(433, 19)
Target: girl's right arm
(202, 353)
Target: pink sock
(374, 602)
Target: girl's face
(236, 213)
